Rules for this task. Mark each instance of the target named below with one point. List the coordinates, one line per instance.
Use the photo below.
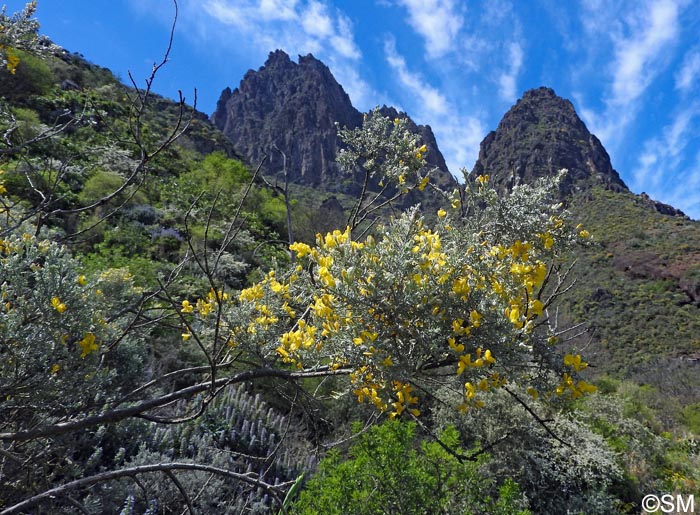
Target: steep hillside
(638, 287)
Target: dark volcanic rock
(537, 137)
(294, 107)
(662, 208)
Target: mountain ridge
(290, 110)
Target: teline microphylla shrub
(412, 307)
(55, 326)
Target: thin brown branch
(116, 415)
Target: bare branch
(250, 478)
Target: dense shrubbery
(153, 329)
(389, 469)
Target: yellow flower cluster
(332, 240)
(471, 390)
(465, 360)
(58, 305)
(367, 387)
(575, 389)
(304, 337)
(575, 362)
(404, 400)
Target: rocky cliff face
(540, 135)
(294, 107)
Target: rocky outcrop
(660, 207)
(537, 137)
(291, 109)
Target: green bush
(389, 470)
(32, 77)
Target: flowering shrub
(55, 332)
(462, 303)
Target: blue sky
(630, 67)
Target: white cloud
(689, 74)
(639, 57)
(431, 100)
(639, 37)
(437, 21)
(458, 135)
(660, 169)
(316, 22)
(278, 9)
(295, 26)
(507, 82)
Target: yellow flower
(575, 361)
(536, 307)
(442, 213)
(584, 234)
(547, 240)
(513, 314)
(55, 368)
(186, 336)
(82, 280)
(87, 345)
(482, 179)
(475, 318)
(326, 277)
(302, 249)
(204, 308)
(423, 183)
(464, 362)
(469, 390)
(58, 305)
(187, 307)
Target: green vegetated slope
(638, 287)
(105, 136)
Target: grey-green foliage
(571, 470)
(239, 432)
(63, 355)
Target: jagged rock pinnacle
(537, 137)
(293, 107)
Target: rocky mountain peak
(537, 137)
(287, 108)
(291, 108)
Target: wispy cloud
(296, 26)
(663, 170)
(507, 81)
(639, 56)
(437, 21)
(431, 100)
(640, 38)
(688, 77)
(458, 135)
